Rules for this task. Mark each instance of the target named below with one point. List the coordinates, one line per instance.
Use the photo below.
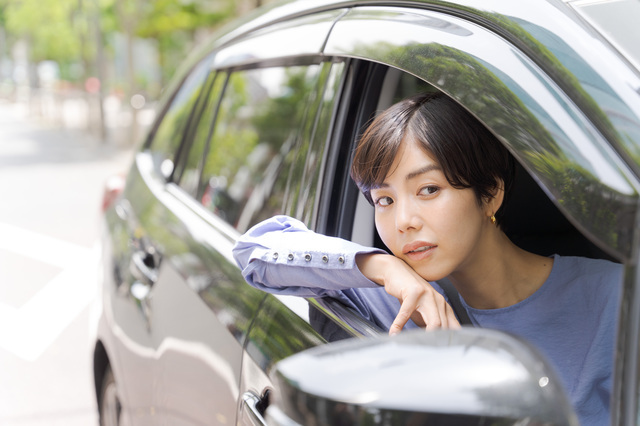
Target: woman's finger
(451, 317)
(407, 307)
(433, 309)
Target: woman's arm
(281, 256)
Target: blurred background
(79, 83)
(100, 65)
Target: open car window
(532, 220)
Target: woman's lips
(418, 250)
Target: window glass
(202, 132)
(258, 126)
(169, 133)
(301, 170)
(315, 156)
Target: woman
(438, 180)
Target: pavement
(51, 180)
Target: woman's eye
(429, 190)
(384, 201)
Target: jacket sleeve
(281, 256)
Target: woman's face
(437, 229)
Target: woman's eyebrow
(425, 169)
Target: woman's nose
(407, 217)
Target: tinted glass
(202, 133)
(314, 165)
(169, 134)
(254, 143)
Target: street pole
(100, 64)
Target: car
(262, 120)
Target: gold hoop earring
(493, 219)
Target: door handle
(253, 408)
(143, 267)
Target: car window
(306, 174)
(168, 135)
(190, 176)
(522, 223)
(257, 131)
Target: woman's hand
(419, 301)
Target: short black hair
(469, 154)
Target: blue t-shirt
(571, 319)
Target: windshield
(617, 20)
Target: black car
(262, 121)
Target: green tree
(53, 30)
(174, 25)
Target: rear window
(169, 133)
(243, 171)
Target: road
(50, 192)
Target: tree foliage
(165, 17)
(50, 27)
(66, 31)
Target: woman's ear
(494, 202)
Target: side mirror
(470, 376)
